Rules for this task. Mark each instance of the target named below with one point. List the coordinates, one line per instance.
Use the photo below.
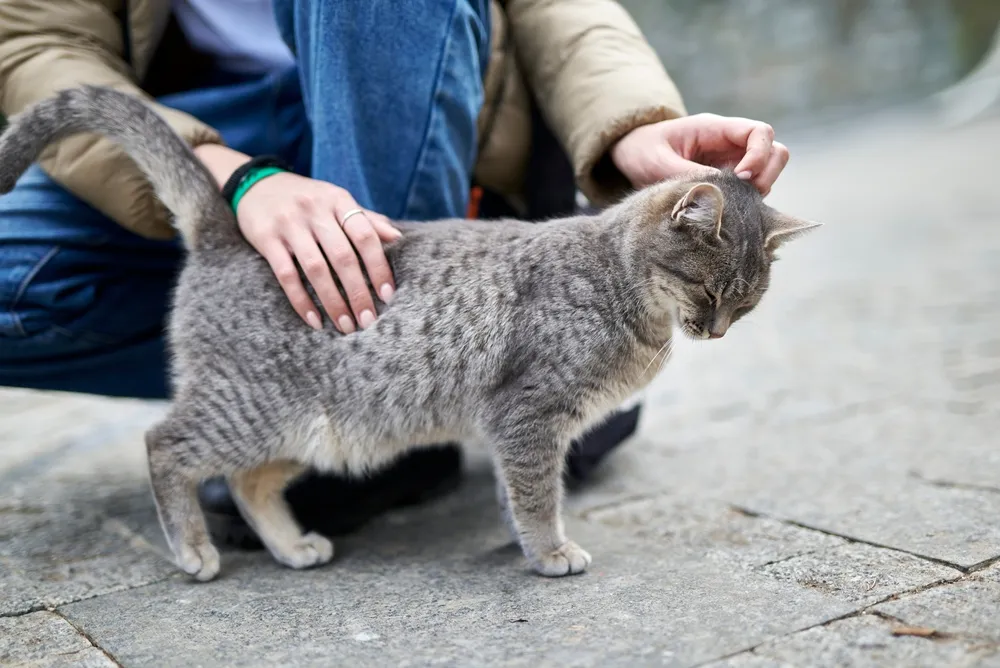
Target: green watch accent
(251, 178)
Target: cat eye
(711, 296)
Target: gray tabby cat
(519, 336)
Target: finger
(360, 230)
(669, 164)
(776, 163)
(344, 260)
(757, 138)
(302, 243)
(285, 271)
(678, 166)
(383, 227)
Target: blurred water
(803, 63)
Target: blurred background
(799, 63)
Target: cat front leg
(530, 468)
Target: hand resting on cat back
(513, 335)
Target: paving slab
(839, 476)
(860, 574)
(71, 573)
(949, 524)
(969, 608)
(59, 555)
(62, 531)
(415, 591)
(40, 437)
(47, 640)
(865, 641)
(712, 530)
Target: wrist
(221, 161)
(614, 153)
(621, 158)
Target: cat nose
(718, 326)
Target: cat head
(706, 245)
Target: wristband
(248, 174)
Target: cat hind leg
(175, 488)
(259, 494)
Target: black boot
(590, 450)
(335, 505)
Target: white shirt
(242, 35)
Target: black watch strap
(236, 178)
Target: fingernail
(386, 293)
(745, 174)
(313, 319)
(346, 324)
(365, 319)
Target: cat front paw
(568, 559)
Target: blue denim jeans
(383, 102)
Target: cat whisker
(666, 356)
(666, 345)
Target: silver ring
(352, 212)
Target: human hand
(703, 142)
(287, 216)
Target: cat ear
(782, 228)
(701, 208)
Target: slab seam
(87, 637)
(947, 484)
(964, 570)
(866, 610)
(49, 608)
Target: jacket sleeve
(50, 46)
(595, 78)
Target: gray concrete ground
(820, 488)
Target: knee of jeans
(65, 300)
(38, 294)
(54, 306)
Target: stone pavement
(820, 488)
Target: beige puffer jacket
(593, 74)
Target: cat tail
(180, 180)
